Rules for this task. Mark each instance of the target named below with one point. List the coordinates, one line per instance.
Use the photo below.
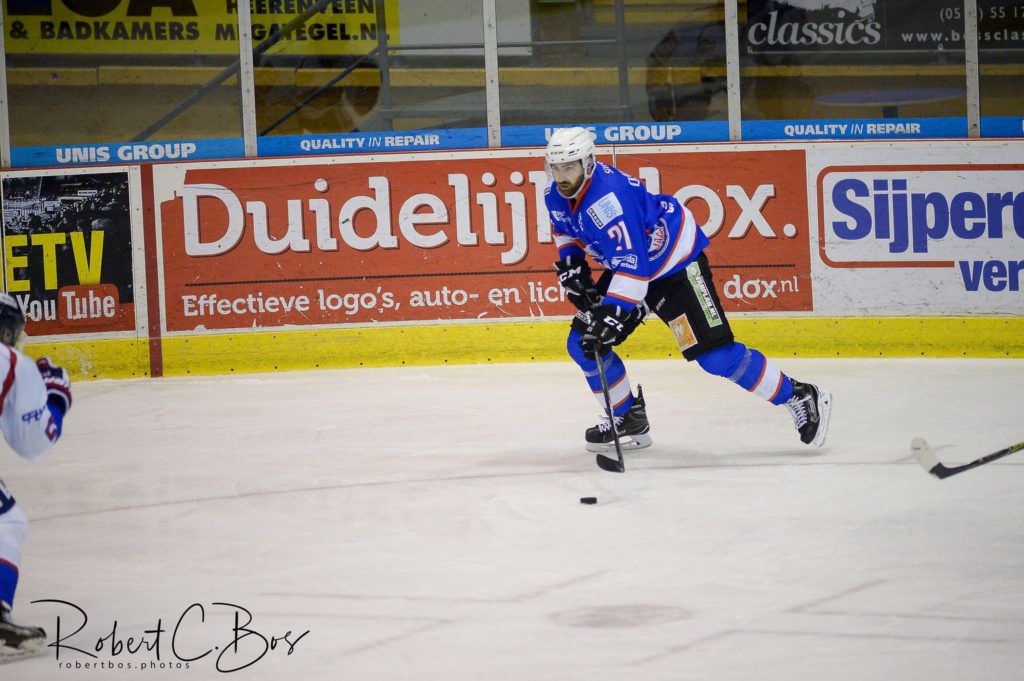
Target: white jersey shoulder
(25, 419)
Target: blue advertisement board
(511, 136)
(855, 129)
(1002, 126)
(126, 152)
(371, 142)
(623, 133)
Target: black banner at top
(795, 26)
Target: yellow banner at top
(97, 27)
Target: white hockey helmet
(571, 144)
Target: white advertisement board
(910, 229)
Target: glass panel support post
(971, 53)
(5, 120)
(384, 58)
(246, 75)
(732, 69)
(490, 19)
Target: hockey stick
(926, 457)
(604, 462)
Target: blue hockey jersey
(639, 236)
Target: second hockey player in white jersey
(34, 398)
(652, 251)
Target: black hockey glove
(57, 382)
(574, 276)
(609, 325)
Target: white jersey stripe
(683, 248)
(562, 240)
(628, 287)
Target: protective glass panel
(373, 65)
(1001, 66)
(859, 59)
(611, 60)
(106, 71)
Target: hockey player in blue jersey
(652, 251)
(34, 397)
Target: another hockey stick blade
(926, 457)
(610, 465)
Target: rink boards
(819, 250)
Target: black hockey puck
(588, 500)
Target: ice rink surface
(424, 523)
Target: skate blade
(26, 649)
(824, 414)
(627, 442)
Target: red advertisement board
(753, 205)
(447, 236)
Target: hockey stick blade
(610, 465)
(926, 457)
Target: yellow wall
(526, 342)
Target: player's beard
(570, 190)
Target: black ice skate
(18, 641)
(810, 407)
(633, 428)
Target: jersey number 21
(619, 233)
